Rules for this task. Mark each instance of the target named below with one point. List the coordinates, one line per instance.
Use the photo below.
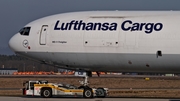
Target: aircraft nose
(13, 42)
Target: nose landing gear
(86, 82)
(88, 92)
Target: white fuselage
(118, 41)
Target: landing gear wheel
(100, 92)
(87, 93)
(46, 93)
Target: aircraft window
(22, 31)
(25, 31)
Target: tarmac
(7, 98)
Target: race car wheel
(87, 93)
(100, 92)
(46, 93)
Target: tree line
(23, 64)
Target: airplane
(108, 41)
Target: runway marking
(7, 98)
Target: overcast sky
(14, 14)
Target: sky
(14, 14)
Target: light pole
(33, 67)
(24, 67)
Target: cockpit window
(25, 31)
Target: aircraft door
(105, 32)
(43, 34)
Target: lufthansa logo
(25, 43)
